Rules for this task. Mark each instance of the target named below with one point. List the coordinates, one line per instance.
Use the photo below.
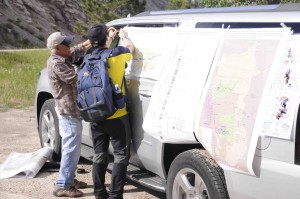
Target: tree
(103, 11)
(107, 10)
(181, 4)
(79, 28)
(137, 6)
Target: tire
(49, 129)
(194, 174)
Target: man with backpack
(115, 128)
(63, 80)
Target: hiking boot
(67, 192)
(79, 184)
(102, 196)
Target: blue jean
(70, 129)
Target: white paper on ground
(24, 165)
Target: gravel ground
(18, 133)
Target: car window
(235, 25)
(154, 25)
(148, 25)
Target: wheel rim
(188, 184)
(48, 129)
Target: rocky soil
(31, 21)
(34, 20)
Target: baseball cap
(57, 38)
(97, 35)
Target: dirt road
(18, 133)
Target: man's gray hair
(53, 50)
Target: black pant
(117, 131)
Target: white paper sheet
(284, 93)
(24, 165)
(150, 55)
(171, 112)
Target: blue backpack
(97, 97)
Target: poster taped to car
(230, 113)
(204, 75)
(284, 93)
(171, 115)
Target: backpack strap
(105, 54)
(126, 97)
(84, 61)
(98, 54)
(95, 54)
(84, 100)
(124, 81)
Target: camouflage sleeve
(76, 53)
(65, 74)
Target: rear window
(154, 25)
(148, 25)
(235, 25)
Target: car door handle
(146, 93)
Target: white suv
(182, 167)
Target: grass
(19, 72)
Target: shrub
(79, 28)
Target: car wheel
(194, 174)
(49, 129)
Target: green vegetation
(186, 4)
(103, 11)
(19, 72)
(107, 10)
(80, 28)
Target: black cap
(67, 41)
(97, 35)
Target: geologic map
(229, 119)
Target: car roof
(261, 8)
(188, 17)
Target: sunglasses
(65, 44)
